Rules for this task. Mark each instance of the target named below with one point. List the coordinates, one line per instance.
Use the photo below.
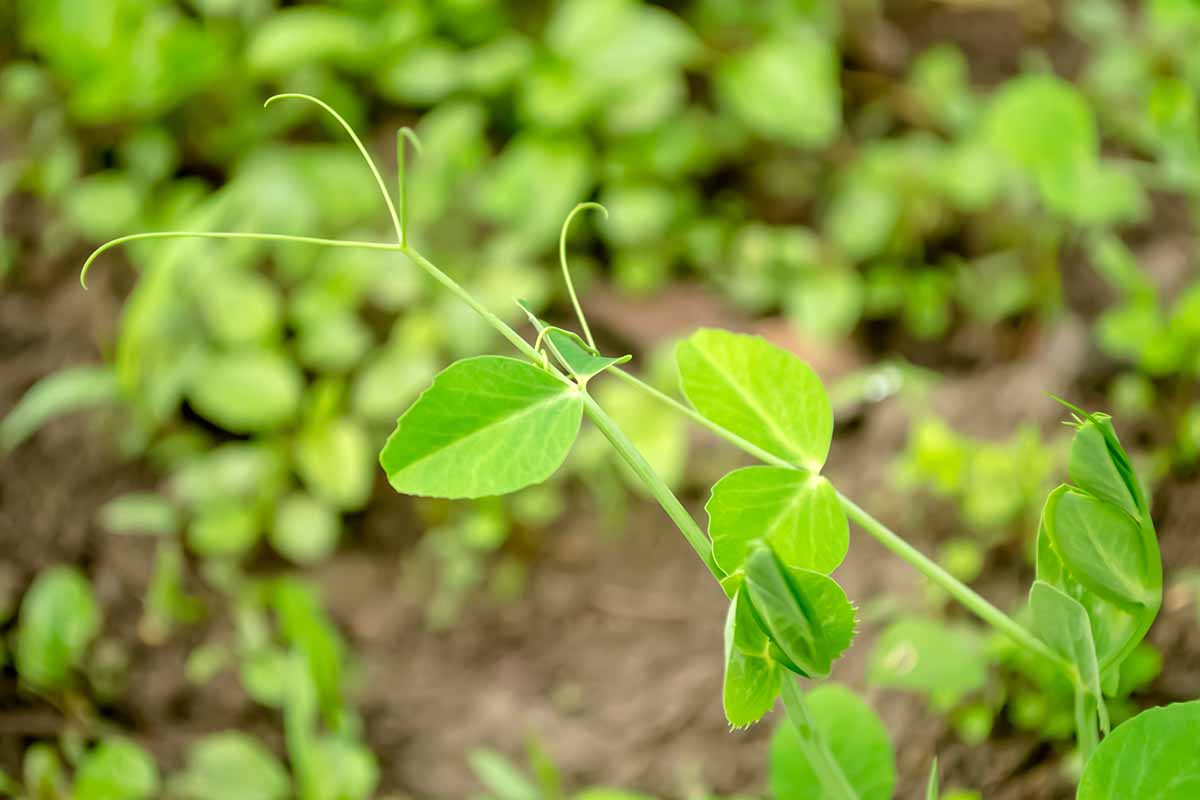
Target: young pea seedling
(491, 425)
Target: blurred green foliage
(732, 143)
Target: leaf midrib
(780, 435)
(516, 415)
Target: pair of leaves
(1099, 570)
(780, 618)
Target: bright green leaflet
(1101, 546)
(116, 769)
(1154, 755)
(59, 618)
(751, 677)
(487, 426)
(758, 391)
(805, 613)
(796, 512)
(931, 789)
(854, 735)
(251, 391)
(231, 764)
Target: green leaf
(1153, 755)
(333, 459)
(342, 769)
(760, 392)
(486, 426)
(856, 738)
(224, 529)
(59, 619)
(785, 88)
(116, 769)
(501, 777)
(796, 512)
(924, 655)
(144, 513)
(304, 529)
(1101, 546)
(1045, 126)
(1063, 623)
(751, 678)
(231, 764)
(250, 391)
(63, 392)
(931, 789)
(806, 614)
(1112, 624)
(570, 351)
(1100, 467)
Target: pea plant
(492, 425)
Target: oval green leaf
(1152, 755)
(764, 394)
(486, 426)
(1100, 466)
(251, 391)
(795, 512)
(59, 618)
(806, 614)
(1101, 546)
(854, 735)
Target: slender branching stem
(661, 492)
(884, 535)
(812, 742)
(562, 260)
(362, 150)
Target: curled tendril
(562, 259)
(387, 197)
(401, 135)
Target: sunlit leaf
(795, 512)
(1155, 754)
(762, 393)
(805, 613)
(486, 426)
(116, 769)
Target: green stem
(964, 594)
(662, 493)
(884, 535)
(824, 765)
